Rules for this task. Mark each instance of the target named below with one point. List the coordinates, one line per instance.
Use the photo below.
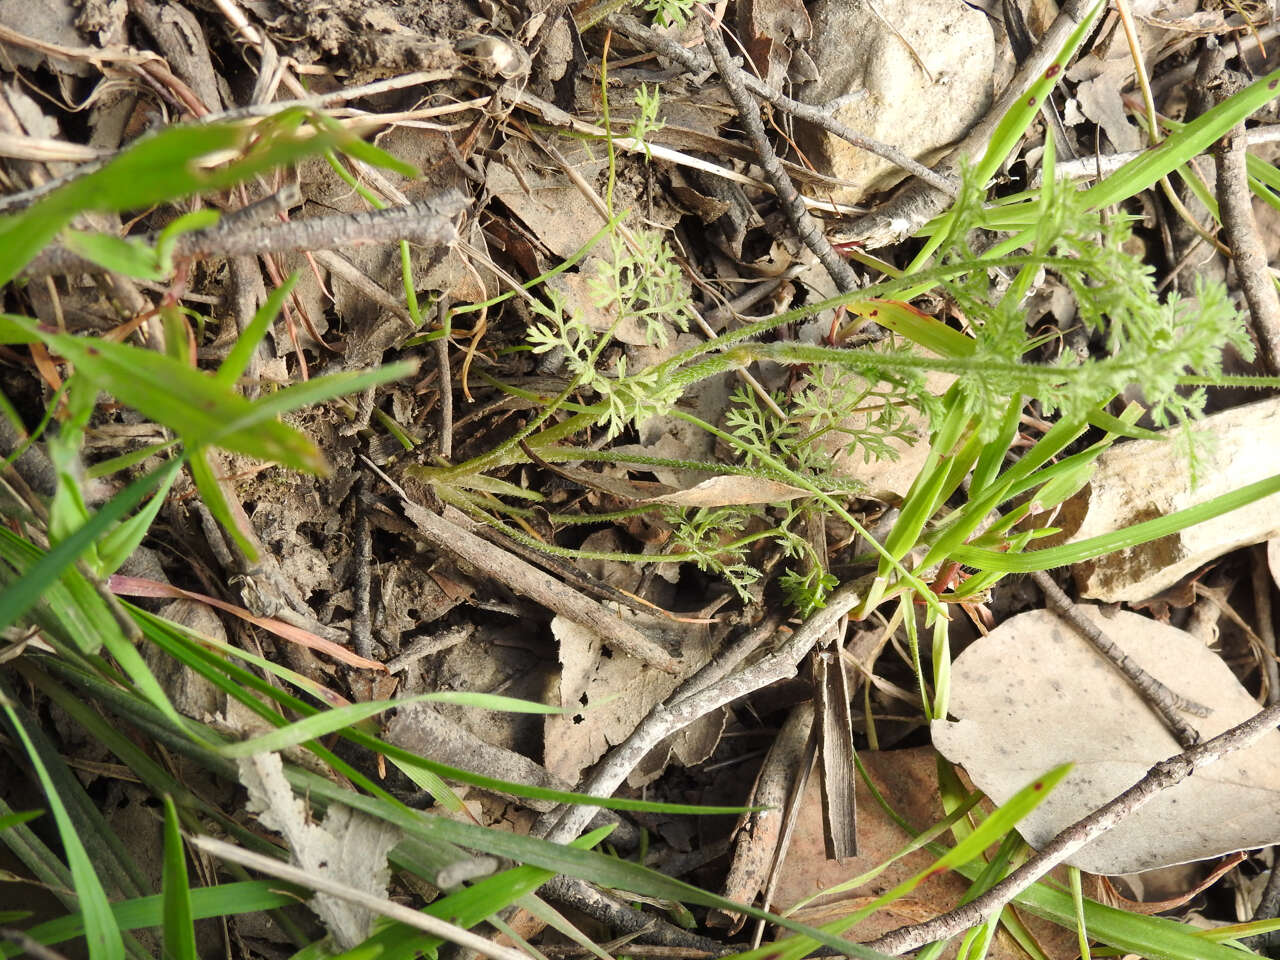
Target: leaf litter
(533, 217)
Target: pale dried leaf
(347, 846)
(1141, 479)
(731, 490)
(1032, 694)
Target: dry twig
(820, 115)
(429, 222)
(1248, 252)
(749, 112)
(709, 689)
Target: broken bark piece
(1142, 479)
(527, 580)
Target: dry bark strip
(526, 579)
(756, 846)
(427, 222)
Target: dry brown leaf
(908, 781)
(1032, 694)
(614, 693)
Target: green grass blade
(190, 402)
(215, 500)
(298, 395)
(1130, 536)
(1014, 123)
(224, 900)
(10, 820)
(179, 932)
(1179, 147)
(18, 598)
(118, 545)
(237, 359)
(328, 721)
(991, 830)
(101, 931)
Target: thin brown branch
(788, 196)
(1162, 776)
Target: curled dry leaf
(1032, 694)
(614, 693)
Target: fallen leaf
(731, 490)
(1140, 479)
(347, 846)
(1033, 694)
(615, 693)
(907, 779)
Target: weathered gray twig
(1158, 696)
(1162, 776)
(820, 115)
(1248, 252)
(427, 222)
(788, 196)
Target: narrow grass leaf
(1014, 123)
(224, 900)
(241, 352)
(466, 907)
(18, 598)
(179, 932)
(215, 500)
(188, 401)
(991, 830)
(10, 820)
(317, 389)
(101, 931)
(118, 545)
(1130, 536)
(337, 718)
(1180, 146)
